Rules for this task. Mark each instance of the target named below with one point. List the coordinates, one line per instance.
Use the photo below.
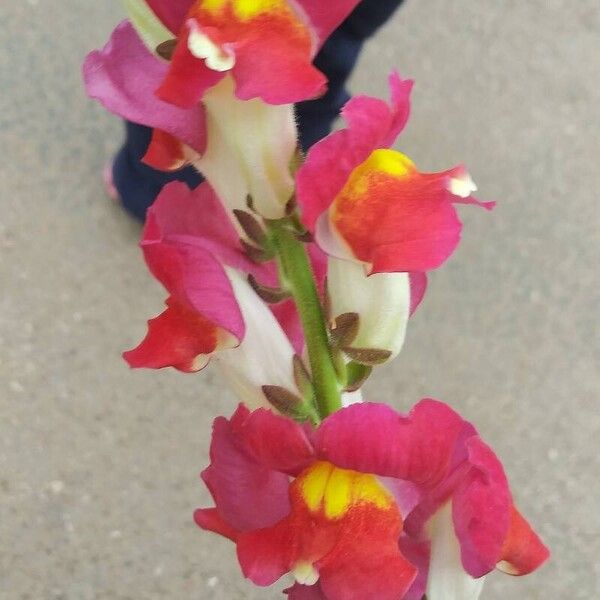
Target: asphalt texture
(99, 464)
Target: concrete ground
(98, 464)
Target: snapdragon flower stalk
(297, 276)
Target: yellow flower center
(388, 162)
(245, 9)
(333, 491)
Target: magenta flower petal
(274, 441)
(202, 314)
(371, 124)
(187, 78)
(171, 13)
(426, 234)
(417, 553)
(367, 437)
(197, 280)
(265, 554)
(523, 550)
(418, 287)
(369, 204)
(179, 338)
(210, 520)
(285, 77)
(369, 569)
(374, 438)
(124, 75)
(305, 592)
(481, 507)
(325, 17)
(248, 495)
(197, 217)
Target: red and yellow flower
(382, 222)
(370, 204)
(267, 46)
(370, 504)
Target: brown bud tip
(345, 329)
(283, 400)
(166, 49)
(291, 205)
(306, 237)
(250, 226)
(367, 356)
(268, 294)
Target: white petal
(265, 355)
(201, 46)
(462, 186)
(147, 24)
(349, 398)
(329, 241)
(250, 149)
(305, 573)
(447, 578)
(381, 300)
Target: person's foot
(109, 184)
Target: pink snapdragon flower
(191, 247)
(241, 147)
(370, 504)
(124, 75)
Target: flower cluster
(369, 504)
(297, 276)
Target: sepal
(369, 357)
(251, 227)
(290, 404)
(356, 375)
(271, 295)
(257, 255)
(344, 329)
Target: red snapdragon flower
(267, 46)
(369, 204)
(367, 504)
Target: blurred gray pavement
(99, 464)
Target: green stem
(297, 274)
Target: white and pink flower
(191, 247)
